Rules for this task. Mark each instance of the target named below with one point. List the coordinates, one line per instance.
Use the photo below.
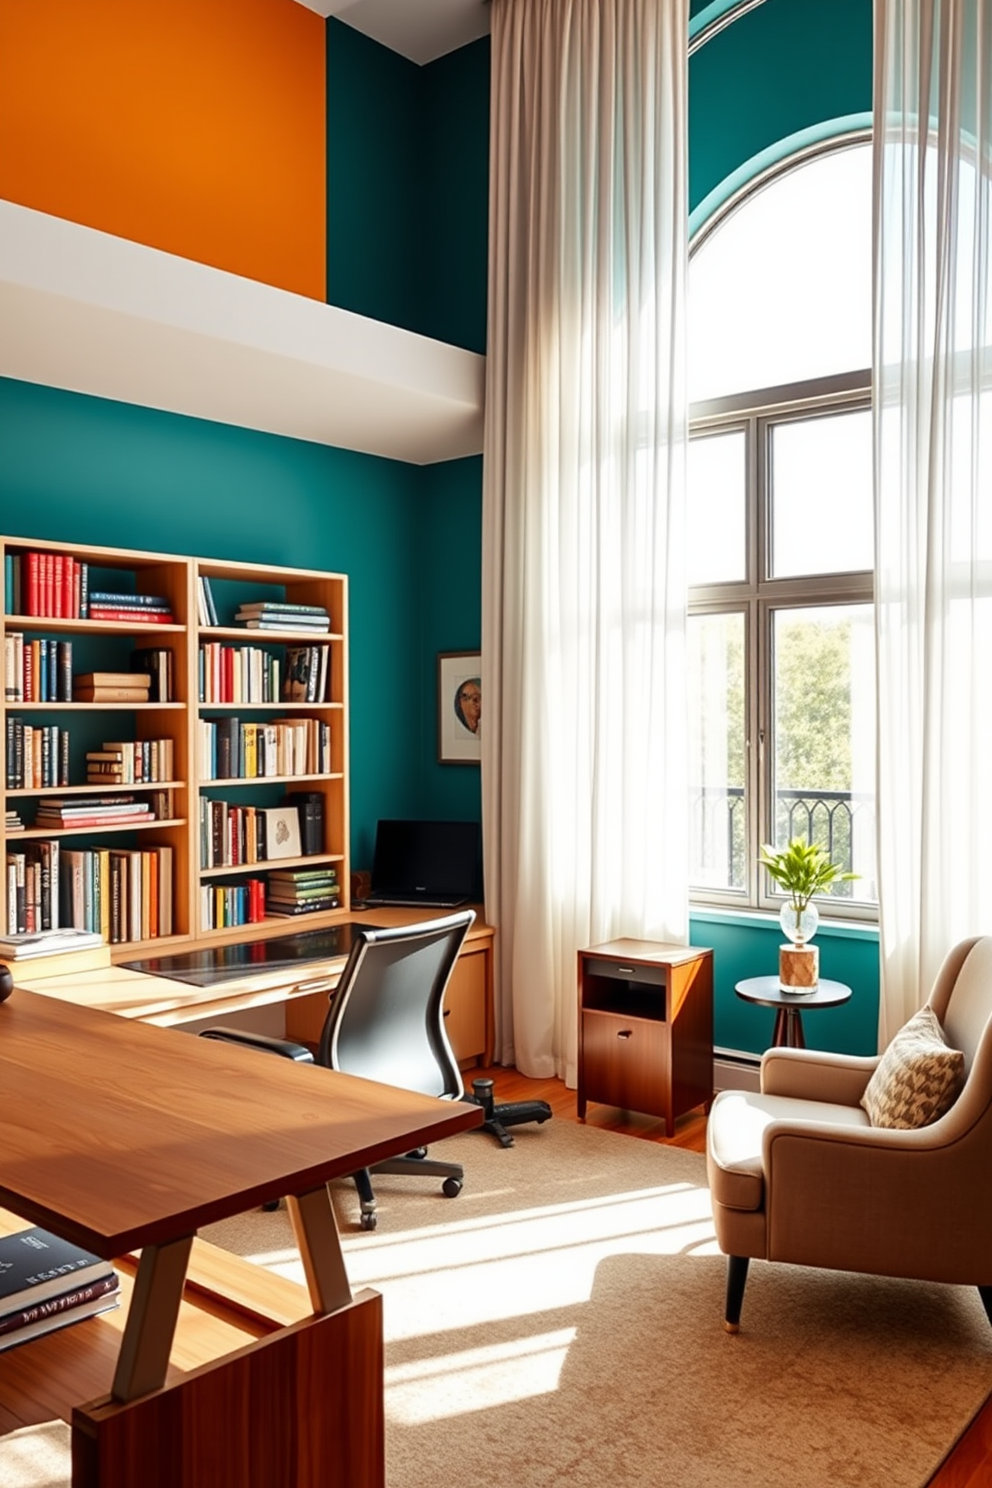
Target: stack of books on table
(91, 811)
(267, 614)
(111, 687)
(47, 1283)
(298, 891)
(150, 609)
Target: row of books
(37, 671)
(237, 674)
(51, 584)
(222, 905)
(232, 834)
(37, 757)
(131, 762)
(231, 749)
(119, 894)
(47, 1283)
(268, 614)
(307, 674)
(206, 609)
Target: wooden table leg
(797, 1039)
(151, 1319)
(316, 1232)
(780, 1038)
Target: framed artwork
(459, 708)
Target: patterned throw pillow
(917, 1079)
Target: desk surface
(156, 999)
(118, 1135)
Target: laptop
(432, 864)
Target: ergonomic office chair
(386, 1022)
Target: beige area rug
(562, 1321)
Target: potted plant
(802, 869)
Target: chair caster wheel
(451, 1188)
(370, 1220)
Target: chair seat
(735, 1135)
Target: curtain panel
(584, 775)
(932, 360)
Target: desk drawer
(626, 971)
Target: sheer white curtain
(584, 785)
(933, 431)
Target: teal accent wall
(780, 68)
(451, 569)
(456, 149)
(82, 469)
(375, 186)
(408, 186)
(744, 947)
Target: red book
(47, 597)
(227, 679)
(76, 573)
(98, 612)
(67, 610)
(58, 584)
(32, 594)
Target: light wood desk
(303, 990)
(122, 1136)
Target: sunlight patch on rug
(448, 1385)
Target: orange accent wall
(195, 126)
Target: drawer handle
(625, 1033)
(626, 970)
(447, 1013)
(322, 984)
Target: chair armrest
(811, 1074)
(298, 1052)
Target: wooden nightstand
(646, 1028)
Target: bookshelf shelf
(142, 578)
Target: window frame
(758, 597)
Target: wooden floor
(970, 1463)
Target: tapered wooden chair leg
(736, 1278)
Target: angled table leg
(316, 1231)
(151, 1320)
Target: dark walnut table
(789, 1006)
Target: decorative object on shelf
(459, 708)
(6, 983)
(803, 869)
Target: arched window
(780, 528)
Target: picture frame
(459, 708)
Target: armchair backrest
(962, 999)
(386, 1019)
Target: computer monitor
(433, 863)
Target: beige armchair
(798, 1174)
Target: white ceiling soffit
(93, 313)
(418, 29)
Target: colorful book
(36, 1265)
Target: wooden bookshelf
(106, 645)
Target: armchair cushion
(736, 1132)
(918, 1077)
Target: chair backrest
(962, 995)
(386, 1020)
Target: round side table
(766, 992)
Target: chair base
(499, 1117)
(416, 1163)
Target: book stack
(151, 609)
(130, 762)
(42, 947)
(47, 1283)
(91, 811)
(306, 674)
(13, 823)
(299, 891)
(266, 614)
(111, 687)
